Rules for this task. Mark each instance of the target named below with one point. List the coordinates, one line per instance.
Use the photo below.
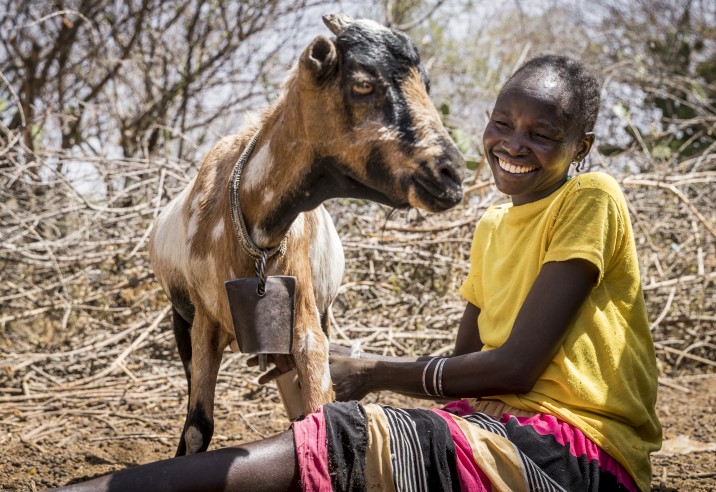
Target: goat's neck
(276, 184)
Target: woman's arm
(468, 337)
(552, 303)
(350, 375)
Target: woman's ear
(584, 146)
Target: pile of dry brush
(84, 326)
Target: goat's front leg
(310, 351)
(207, 345)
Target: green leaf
(661, 152)
(472, 165)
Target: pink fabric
(579, 444)
(459, 408)
(312, 452)
(472, 478)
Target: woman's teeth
(511, 168)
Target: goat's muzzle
(437, 186)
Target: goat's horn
(337, 23)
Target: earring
(578, 164)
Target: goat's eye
(362, 88)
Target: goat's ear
(320, 58)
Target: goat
(354, 119)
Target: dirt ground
(686, 408)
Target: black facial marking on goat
(390, 49)
(389, 56)
(398, 113)
(376, 168)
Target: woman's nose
(515, 144)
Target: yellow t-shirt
(603, 379)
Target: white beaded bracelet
(435, 376)
(425, 372)
(439, 371)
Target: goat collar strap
(237, 217)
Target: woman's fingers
(283, 363)
(347, 377)
(270, 375)
(336, 349)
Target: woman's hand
(350, 377)
(283, 363)
(336, 349)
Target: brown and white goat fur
(354, 120)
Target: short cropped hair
(584, 86)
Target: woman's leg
(269, 464)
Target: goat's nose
(449, 174)
(451, 167)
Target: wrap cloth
(481, 446)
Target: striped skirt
(352, 447)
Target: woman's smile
(515, 168)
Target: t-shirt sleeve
(588, 226)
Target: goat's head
(366, 110)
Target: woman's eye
(362, 88)
(500, 124)
(545, 137)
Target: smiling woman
(541, 123)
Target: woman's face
(530, 139)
